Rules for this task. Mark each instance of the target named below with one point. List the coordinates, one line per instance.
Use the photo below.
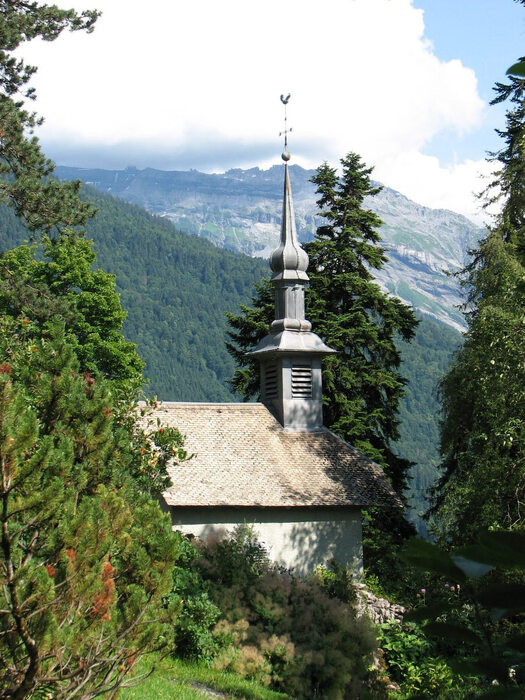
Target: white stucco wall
(297, 538)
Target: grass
(173, 678)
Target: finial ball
(285, 155)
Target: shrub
(412, 662)
(337, 582)
(478, 620)
(197, 614)
(302, 636)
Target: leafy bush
(412, 662)
(337, 582)
(197, 614)
(482, 623)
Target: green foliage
(166, 280)
(197, 614)
(481, 612)
(362, 386)
(176, 679)
(22, 22)
(181, 337)
(43, 203)
(508, 184)
(60, 273)
(85, 558)
(53, 209)
(517, 69)
(425, 359)
(296, 635)
(483, 394)
(337, 582)
(483, 435)
(413, 663)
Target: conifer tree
(362, 385)
(483, 394)
(24, 183)
(86, 558)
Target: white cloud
(362, 76)
(423, 179)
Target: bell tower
(290, 355)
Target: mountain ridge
(240, 210)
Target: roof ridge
(252, 404)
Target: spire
(290, 355)
(289, 261)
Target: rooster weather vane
(285, 154)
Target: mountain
(241, 210)
(176, 289)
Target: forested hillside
(425, 361)
(176, 289)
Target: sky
(180, 85)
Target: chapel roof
(244, 457)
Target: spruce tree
(362, 385)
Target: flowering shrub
(298, 636)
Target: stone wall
(379, 610)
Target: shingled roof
(243, 457)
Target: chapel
(273, 464)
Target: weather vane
(285, 154)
